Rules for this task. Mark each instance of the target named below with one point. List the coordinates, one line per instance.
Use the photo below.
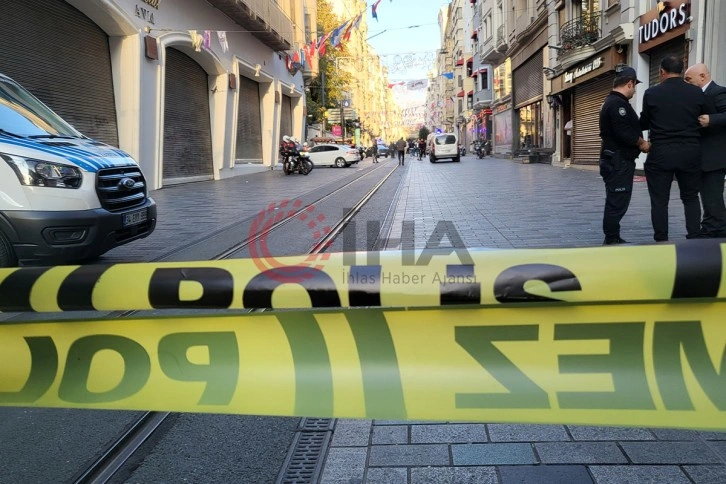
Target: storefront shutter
(249, 122)
(676, 47)
(588, 99)
(63, 58)
(187, 128)
(286, 117)
(528, 81)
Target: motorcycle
(295, 161)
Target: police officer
(622, 142)
(670, 111)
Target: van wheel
(432, 159)
(7, 255)
(457, 159)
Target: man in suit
(713, 151)
(670, 112)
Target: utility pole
(322, 98)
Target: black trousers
(401, 156)
(682, 161)
(714, 211)
(618, 178)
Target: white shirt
(706, 86)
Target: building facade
(159, 81)
(371, 100)
(589, 38)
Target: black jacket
(619, 126)
(671, 110)
(713, 138)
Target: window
(448, 139)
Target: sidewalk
(499, 203)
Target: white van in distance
(443, 145)
(63, 197)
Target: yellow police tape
(388, 279)
(636, 364)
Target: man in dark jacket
(670, 111)
(713, 151)
(622, 142)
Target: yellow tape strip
(655, 364)
(388, 279)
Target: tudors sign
(665, 22)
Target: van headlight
(39, 173)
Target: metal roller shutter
(677, 47)
(249, 122)
(586, 120)
(528, 81)
(187, 128)
(286, 117)
(63, 58)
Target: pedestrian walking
(622, 142)
(374, 153)
(401, 149)
(713, 151)
(670, 112)
(392, 150)
(421, 148)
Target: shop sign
(571, 76)
(146, 14)
(667, 20)
(502, 108)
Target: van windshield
(22, 114)
(446, 139)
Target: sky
(401, 42)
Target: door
(249, 123)
(64, 59)
(187, 127)
(285, 116)
(588, 99)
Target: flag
(207, 42)
(222, 35)
(448, 75)
(354, 23)
(196, 40)
(337, 35)
(374, 7)
(322, 43)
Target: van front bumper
(49, 238)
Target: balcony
(263, 18)
(502, 44)
(580, 32)
(482, 98)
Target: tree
(327, 90)
(423, 133)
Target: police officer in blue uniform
(622, 142)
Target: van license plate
(135, 218)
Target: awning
(460, 94)
(470, 93)
(482, 69)
(460, 62)
(475, 34)
(475, 73)
(470, 60)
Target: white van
(443, 145)
(63, 197)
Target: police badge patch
(621, 111)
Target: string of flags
(296, 59)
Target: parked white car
(328, 154)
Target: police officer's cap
(626, 72)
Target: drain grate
(317, 424)
(304, 461)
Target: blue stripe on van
(76, 155)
